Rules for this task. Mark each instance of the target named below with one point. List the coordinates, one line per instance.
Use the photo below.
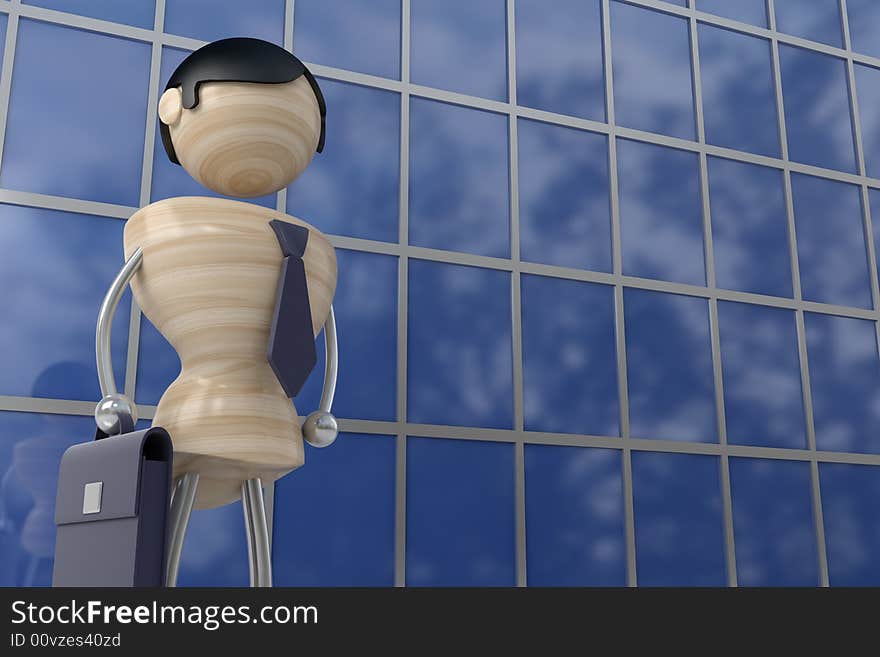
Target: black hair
(239, 59)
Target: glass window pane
(172, 179)
(746, 11)
(845, 381)
(459, 513)
(831, 241)
(460, 45)
(158, 364)
(564, 207)
(677, 505)
(661, 214)
(30, 453)
(140, 13)
(852, 523)
(868, 85)
(210, 20)
(366, 306)
(459, 196)
(53, 285)
(817, 116)
(353, 187)
(763, 397)
(559, 63)
(569, 357)
(749, 228)
(669, 367)
(334, 517)
(651, 55)
(574, 517)
(817, 20)
(773, 523)
(460, 345)
(739, 94)
(864, 26)
(215, 549)
(78, 148)
(874, 201)
(333, 33)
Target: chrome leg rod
(181, 508)
(256, 523)
(247, 508)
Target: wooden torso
(208, 283)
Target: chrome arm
(105, 322)
(320, 428)
(331, 367)
(113, 405)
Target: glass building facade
(608, 292)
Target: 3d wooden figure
(240, 291)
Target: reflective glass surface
(864, 26)
(31, 446)
(172, 179)
(678, 526)
(215, 549)
(210, 20)
(55, 283)
(459, 345)
(739, 95)
(763, 397)
(874, 202)
(845, 381)
(353, 187)
(651, 57)
(334, 518)
(564, 209)
(817, 116)
(459, 196)
(661, 214)
(831, 241)
(77, 148)
(669, 367)
(852, 523)
(569, 357)
(817, 20)
(868, 86)
(559, 63)
(459, 513)
(749, 228)
(139, 13)
(366, 317)
(460, 45)
(335, 34)
(746, 11)
(773, 523)
(158, 364)
(574, 517)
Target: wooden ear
(170, 106)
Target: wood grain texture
(208, 282)
(246, 139)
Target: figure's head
(244, 117)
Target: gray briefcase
(112, 509)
